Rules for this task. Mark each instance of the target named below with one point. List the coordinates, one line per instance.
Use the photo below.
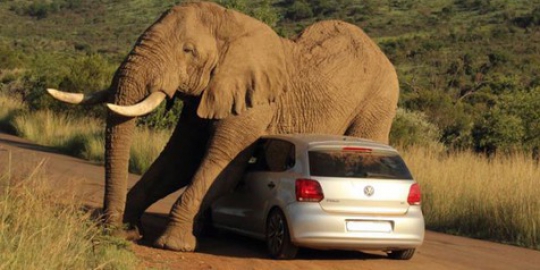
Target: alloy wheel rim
(276, 233)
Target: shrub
(85, 74)
(497, 130)
(10, 58)
(160, 118)
(299, 10)
(413, 128)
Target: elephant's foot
(131, 233)
(178, 238)
(129, 230)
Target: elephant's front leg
(231, 137)
(173, 169)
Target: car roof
(315, 140)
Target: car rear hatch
(361, 180)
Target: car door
(262, 179)
(244, 210)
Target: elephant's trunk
(143, 73)
(128, 88)
(118, 142)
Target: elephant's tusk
(77, 98)
(144, 107)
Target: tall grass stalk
(490, 198)
(43, 227)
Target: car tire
(278, 239)
(405, 254)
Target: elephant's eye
(189, 48)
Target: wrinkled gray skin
(239, 80)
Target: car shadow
(227, 244)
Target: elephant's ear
(251, 72)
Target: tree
(497, 130)
(299, 10)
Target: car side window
(272, 155)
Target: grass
(147, 144)
(43, 227)
(60, 131)
(471, 195)
(9, 108)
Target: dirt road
(229, 251)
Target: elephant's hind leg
(373, 122)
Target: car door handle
(271, 185)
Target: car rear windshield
(358, 164)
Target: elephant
(238, 80)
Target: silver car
(325, 192)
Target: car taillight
(415, 196)
(308, 190)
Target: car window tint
(272, 155)
(382, 165)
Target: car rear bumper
(311, 226)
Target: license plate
(369, 226)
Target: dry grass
(9, 108)
(490, 198)
(87, 140)
(69, 134)
(78, 137)
(147, 144)
(43, 227)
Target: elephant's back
(338, 70)
(335, 41)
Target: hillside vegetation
(469, 69)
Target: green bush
(10, 59)
(84, 74)
(299, 10)
(497, 131)
(161, 118)
(413, 128)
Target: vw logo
(369, 190)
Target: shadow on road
(233, 245)
(29, 146)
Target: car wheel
(405, 254)
(278, 239)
